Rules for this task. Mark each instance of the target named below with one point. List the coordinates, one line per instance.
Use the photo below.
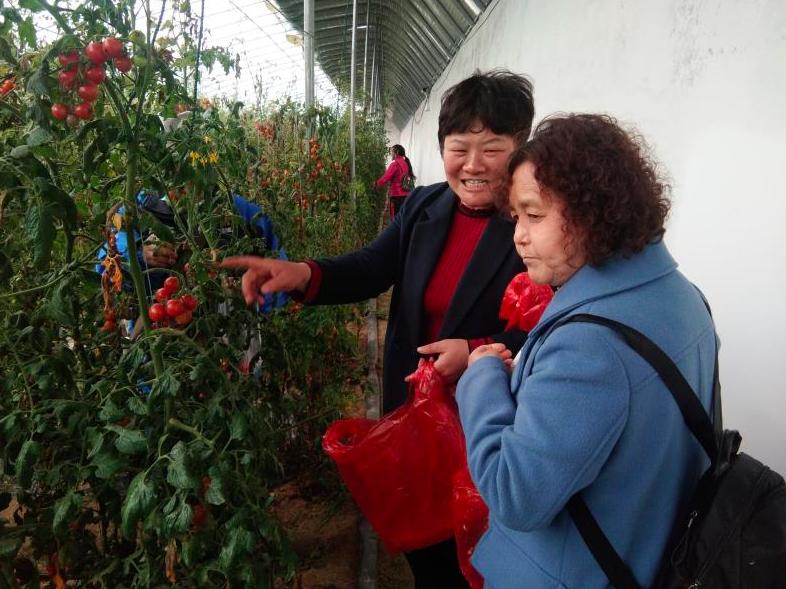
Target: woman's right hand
(496, 349)
(266, 275)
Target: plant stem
(177, 424)
(136, 270)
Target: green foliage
(122, 447)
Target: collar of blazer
(426, 242)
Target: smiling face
(475, 165)
(551, 255)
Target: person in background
(156, 257)
(582, 412)
(399, 170)
(447, 254)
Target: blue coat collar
(591, 283)
(618, 274)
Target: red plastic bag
(400, 469)
(470, 522)
(524, 302)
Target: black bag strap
(696, 418)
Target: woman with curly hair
(582, 412)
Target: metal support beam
(308, 48)
(365, 55)
(352, 101)
(372, 91)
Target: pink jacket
(394, 174)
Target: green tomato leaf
(107, 464)
(67, 508)
(25, 461)
(27, 32)
(215, 492)
(138, 503)
(166, 386)
(239, 543)
(238, 427)
(179, 520)
(38, 136)
(179, 473)
(40, 229)
(129, 441)
(111, 412)
(137, 406)
(9, 547)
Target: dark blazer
(404, 256)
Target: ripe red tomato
(88, 92)
(174, 307)
(59, 111)
(123, 64)
(161, 295)
(184, 318)
(171, 285)
(95, 52)
(190, 302)
(156, 312)
(7, 86)
(69, 58)
(83, 110)
(96, 74)
(67, 79)
(113, 47)
(200, 515)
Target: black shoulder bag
(732, 531)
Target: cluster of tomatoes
(85, 76)
(266, 130)
(171, 309)
(7, 86)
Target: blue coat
(404, 256)
(583, 412)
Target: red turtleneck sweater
(465, 232)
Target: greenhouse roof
(410, 42)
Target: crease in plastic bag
(524, 302)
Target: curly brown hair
(609, 185)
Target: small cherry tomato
(88, 92)
(67, 79)
(157, 312)
(184, 318)
(161, 295)
(171, 285)
(59, 111)
(174, 308)
(206, 480)
(83, 110)
(190, 302)
(96, 74)
(95, 52)
(200, 515)
(68, 58)
(113, 47)
(123, 64)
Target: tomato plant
(113, 411)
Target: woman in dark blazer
(447, 255)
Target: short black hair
(498, 99)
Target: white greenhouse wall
(705, 82)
